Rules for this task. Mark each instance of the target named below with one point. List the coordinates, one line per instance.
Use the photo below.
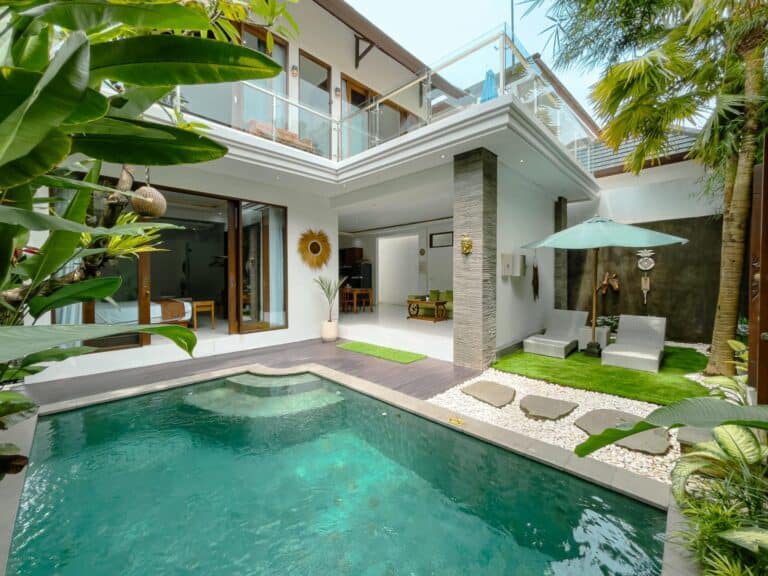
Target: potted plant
(330, 329)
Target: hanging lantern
(148, 201)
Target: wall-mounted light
(337, 92)
(466, 245)
(294, 71)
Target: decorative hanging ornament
(645, 262)
(148, 201)
(315, 248)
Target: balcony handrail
(377, 100)
(288, 101)
(528, 63)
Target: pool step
(257, 381)
(232, 401)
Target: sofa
(446, 295)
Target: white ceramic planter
(329, 331)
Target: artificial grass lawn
(587, 373)
(391, 354)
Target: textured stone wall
(474, 275)
(561, 256)
(684, 281)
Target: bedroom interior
(186, 282)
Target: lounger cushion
(634, 357)
(549, 346)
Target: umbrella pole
(594, 293)
(593, 348)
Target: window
(315, 94)
(258, 112)
(356, 135)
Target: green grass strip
(400, 356)
(587, 373)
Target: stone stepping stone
(491, 393)
(689, 436)
(543, 408)
(654, 442)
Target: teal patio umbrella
(597, 233)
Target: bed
(166, 311)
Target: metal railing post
(274, 117)
(428, 96)
(502, 62)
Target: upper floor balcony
(305, 117)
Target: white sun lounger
(561, 336)
(639, 343)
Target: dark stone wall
(683, 284)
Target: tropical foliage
(77, 77)
(668, 64)
(721, 485)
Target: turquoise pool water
(300, 476)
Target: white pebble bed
(561, 432)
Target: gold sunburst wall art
(315, 248)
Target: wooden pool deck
(422, 379)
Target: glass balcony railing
(490, 67)
(262, 112)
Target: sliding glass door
(262, 267)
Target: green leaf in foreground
(84, 291)
(698, 412)
(128, 141)
(14, 407)
(163, 60)
(753, 539)
(54, 96)
(89, 14)
(39, 221)
(44, 157)
(21, 341)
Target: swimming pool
(299, 475)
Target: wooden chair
(365, 300)
(346, 299)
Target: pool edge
(12, 485)
(646, 490)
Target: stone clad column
(474, 275)
(561, 256)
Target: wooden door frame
(235, 269)
(758, 282)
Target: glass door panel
(262, 270)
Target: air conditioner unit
(513, 265)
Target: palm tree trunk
(735, 219)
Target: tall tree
(671, 63)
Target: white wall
(398, 258)
(666, 192)
(326, 38)
(525, 213)
(439, 260)
(306, 304)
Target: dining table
(356, 293)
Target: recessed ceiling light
(277, 177)
(442, 156)
(522, 161)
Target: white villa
(401, 166)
